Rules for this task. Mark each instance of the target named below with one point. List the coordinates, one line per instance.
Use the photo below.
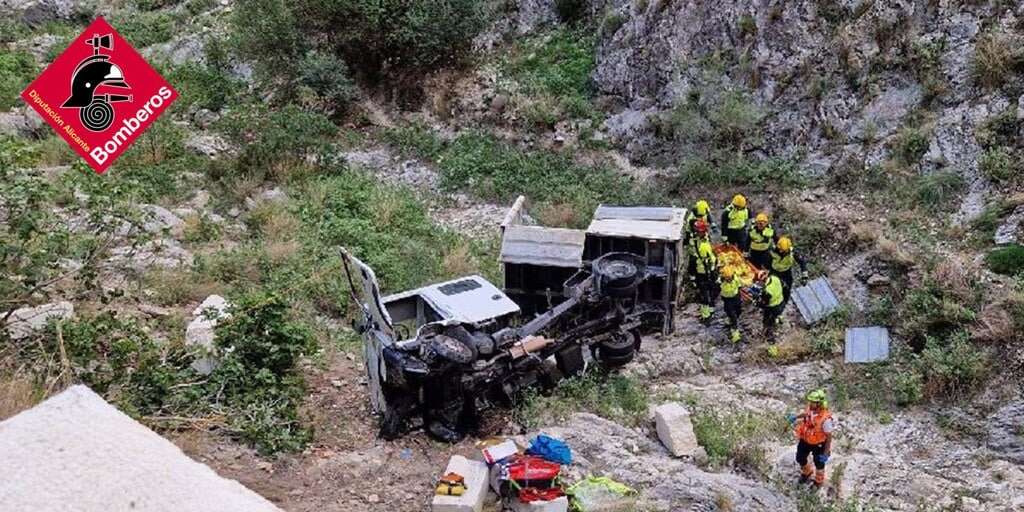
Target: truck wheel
(620, 345)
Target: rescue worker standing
(701, 211)
(772, 305)
(814, 429)
(706, 270)
(735, 221)
(731, 285)
(783, 259)
(762, 239)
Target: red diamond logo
(100, 95)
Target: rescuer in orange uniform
(814, 429)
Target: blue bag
(550, 449)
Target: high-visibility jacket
(773, 291)
(731, 288)
(761, 240)
(689, 232)
(735, 218)
(707, 262)
(782, 263)
(811, 429)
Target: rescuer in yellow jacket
(762, 240)
(735, 222)
(772, 305)
(730, 292)
(784, 257)
(701, 211)
(706, 270)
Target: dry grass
(993, 325)
(280, 251)
(174, 287)
(557, 215)
(458, 261)
(723, 502)
(996, 56)
(865, 234)
(893, 252)
(17, 393)
(275, 222)
(956, 277)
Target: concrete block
(675, 430)
(558, 505)
(476, 474)
(76, 452)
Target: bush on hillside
(17, 69)
(1006, 260)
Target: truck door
(376, 327)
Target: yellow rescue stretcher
(730, 256)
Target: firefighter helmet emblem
(95, 111)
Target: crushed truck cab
(435, 356)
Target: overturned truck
(438, 355)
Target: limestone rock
(200, 331)
(158, 219)
(675, 430)
(25, 321)
(1009, 231)
(156, 253)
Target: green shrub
(17, 69)
(559, 63)
(325, 79)
(277, 142)
(267, 33)
(1000, 164)
(385, 37)
(143, 29)
(718, 120)
(615, 397)
(737, 436)
(1006, 260)
(738, 171)
(611, 23)
(911, 144)
(952, 367)
(206, 87)
(937, 190)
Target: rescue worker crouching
(813, 429)
(762, 240)
(783, 259)
(735, 221)
(730, 292)
(706, 270)
(701, 211)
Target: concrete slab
(78, 453)
(675, 430)
(476, 475)
(815, 300)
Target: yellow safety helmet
(762, 218)
(785, 244)
(702, 207)
(739, 201)
(728, 273)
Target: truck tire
(620, 345)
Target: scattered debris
(815, 300)
(867, 344)
(675, 431)
(25, 321)
(64, 438)
(602, 494)
(879, 281)
(475, 476)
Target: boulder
(878, 281)
(158, 219)
(156, 253)
(206, 145)
(476, 474)
(1009, 231)
(25, 321)
(675, 430)
(200, 331)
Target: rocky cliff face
(835, 81)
